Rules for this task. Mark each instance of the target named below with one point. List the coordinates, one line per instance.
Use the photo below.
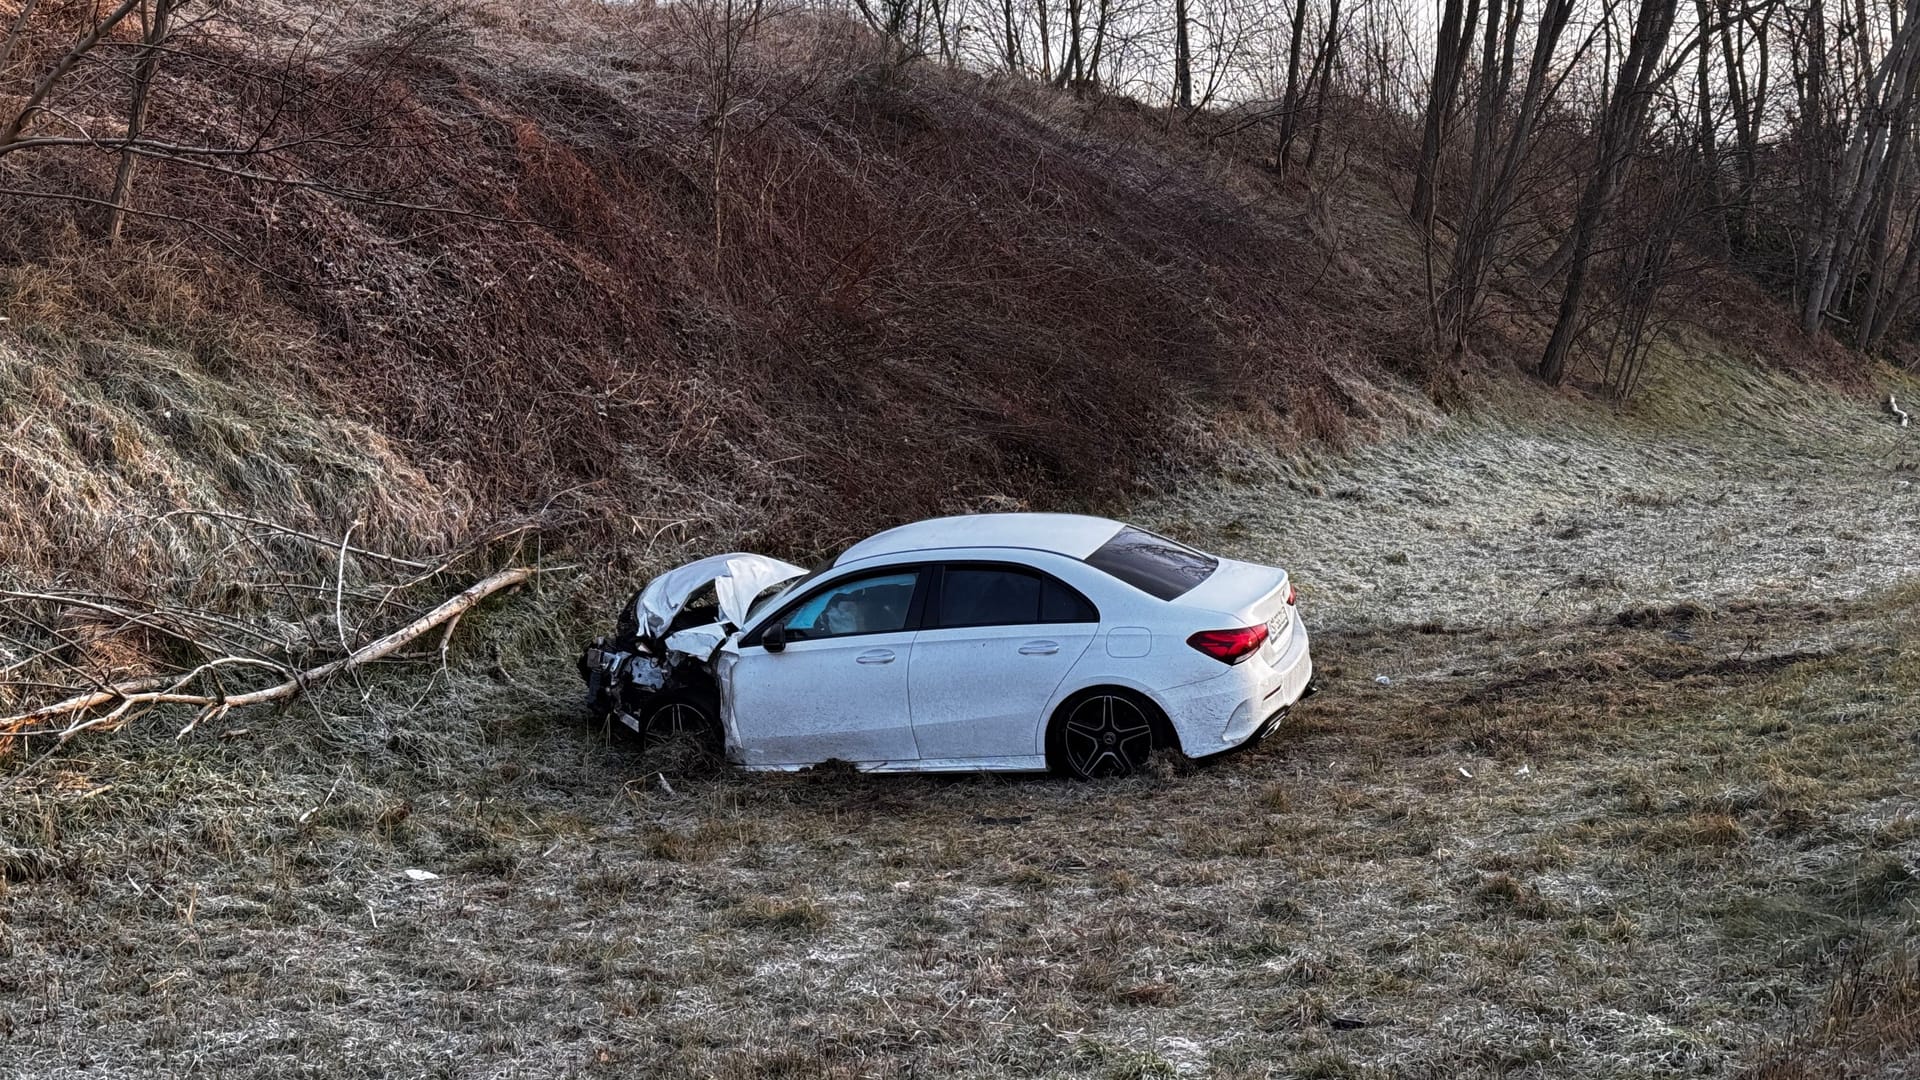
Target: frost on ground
(1493, 520)
(1636, 800)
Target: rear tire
(1105, 732)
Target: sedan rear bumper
(1243, 703)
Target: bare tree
(154, 38)
(1290, 102)
(1879, 250)
(1902, 291)
(1494, 187)
(1886, 96)
(1620, 128)
(43, 87)
(21, 20)
(1450, 51)
(1182, 57)
(1324, 64)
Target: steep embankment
(1636, 789)
(570, 262)
(780, 303)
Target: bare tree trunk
(1099, 42)
(1709, 146)
(1886, 91)
(1182, 58)
(1329, 54)
(1902, 287)
(1817, 168)
(43, 86)
(1619, 136)
(1456, 32)
(1496, 67)
(1046, 39)
(949, 53)
(1745, 130)
(1011, 48)
(1069, 73)
(143, 74)
(1489, 205)
(1290, 104)
(1878, 254)
(13, 33)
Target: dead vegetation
(1627, 840)
(665, 296)
(110, 703)
(1635, 792)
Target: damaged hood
(737, 578)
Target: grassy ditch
(1636, 845)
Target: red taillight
(1291, 595)
(1230, 646)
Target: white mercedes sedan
(993, 642)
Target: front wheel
(1101, 734)
(679, 714)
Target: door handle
(875, 656)
(1040, 648)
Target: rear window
(1153, 564)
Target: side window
(1061, 603)
(867, 605)
(1007, 596)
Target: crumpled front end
(669, 634)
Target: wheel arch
(1165, 737)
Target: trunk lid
(1247, 592)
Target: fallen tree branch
(340, 590)
(132, 698)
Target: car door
(996, 643)
(835, 683)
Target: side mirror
(775, 639)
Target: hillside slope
(628, 314)
(1613, 771)
(567, 262)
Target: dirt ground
(1613, 775)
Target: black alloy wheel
(1104, 734)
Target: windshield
(1155, 565)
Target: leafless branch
(132, 698)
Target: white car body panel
(699, 642)
(1073, 535)
(968, 698)
(1026, 763)
(839, 698)
(976, 690)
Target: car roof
(1073, 535)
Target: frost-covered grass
(1721, 484)
(1638, 827)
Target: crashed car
(990, 642)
